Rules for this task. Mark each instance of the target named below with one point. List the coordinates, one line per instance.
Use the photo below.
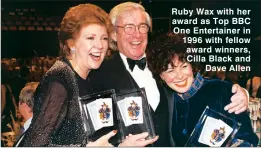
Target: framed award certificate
(213, 129)
(133, 114)
(99, 115)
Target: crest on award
(104, 112)
(217, 135)
(214, 132)
(134, 110)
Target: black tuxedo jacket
(113, 75)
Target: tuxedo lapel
(113, 75)
(118, 76)
(19, 140)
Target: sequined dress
(57, 119)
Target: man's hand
(138, 140)
(104, 140)
(239, 101)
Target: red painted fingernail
(115, 131)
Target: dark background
(17, 42)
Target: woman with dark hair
(188, 93)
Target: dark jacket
(213, 93)
(113, 75)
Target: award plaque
(99, 115)
(133, 114)
(213, 129)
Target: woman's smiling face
(179, 77)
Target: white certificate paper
(214, 132)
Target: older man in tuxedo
(126, 70)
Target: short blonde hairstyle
(27, 94)
(123, 8)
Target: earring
(73, 50)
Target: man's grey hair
(27, 94)
(123, 8)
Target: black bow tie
(140, 63)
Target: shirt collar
(27, 123)
(195, 86)
(124, 59)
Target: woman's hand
(104, 140)
(138, 140)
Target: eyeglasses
(131, 28)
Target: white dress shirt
(27, 123)
(26, 126)
(144, 79)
